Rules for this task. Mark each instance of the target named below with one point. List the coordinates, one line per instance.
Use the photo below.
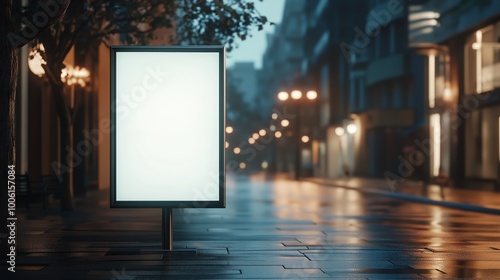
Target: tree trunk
(67, 159)
(8, 81)
(64, 168)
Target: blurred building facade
(461, 40)
(385, 96)
(407, 89)
(243, 76)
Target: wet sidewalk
(474, 199)
(271, 229)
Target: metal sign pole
(167, 231)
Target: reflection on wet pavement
(271, 229)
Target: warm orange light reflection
(305, 139)
(255, 136)
(243, 165)
(229, 130)
(278, 134)
(285, 123)
(251, 141)
(262, 132)
(237, 150)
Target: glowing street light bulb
(35, 60)
(296, 94)
(75, 75)
(243, 165)
(262, 132)
(285, 123)
(251, 141)
(274, 116)
(255, 136)
(339, 131)
(264, 165)
(311, 95)
(447, 96)
(277, 134)
(352, 128)
(229, 129)
(237, 150)
(283, 95)
(305, 139)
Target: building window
(435, 143)
(482, 59)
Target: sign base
(167, 238)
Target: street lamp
(296, 96)
(447, 95)
(264, 165)
(35, 60)
(283, 96)
(352, 128)
(339, 131)
(75, 75)
(69, 75)
(311, 95)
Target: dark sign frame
(221, 203)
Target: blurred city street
(359, 139)
(272, 228)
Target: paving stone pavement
(271, 229)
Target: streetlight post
(296, 96)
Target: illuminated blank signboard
(167, 119)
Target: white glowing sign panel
(167, 138)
